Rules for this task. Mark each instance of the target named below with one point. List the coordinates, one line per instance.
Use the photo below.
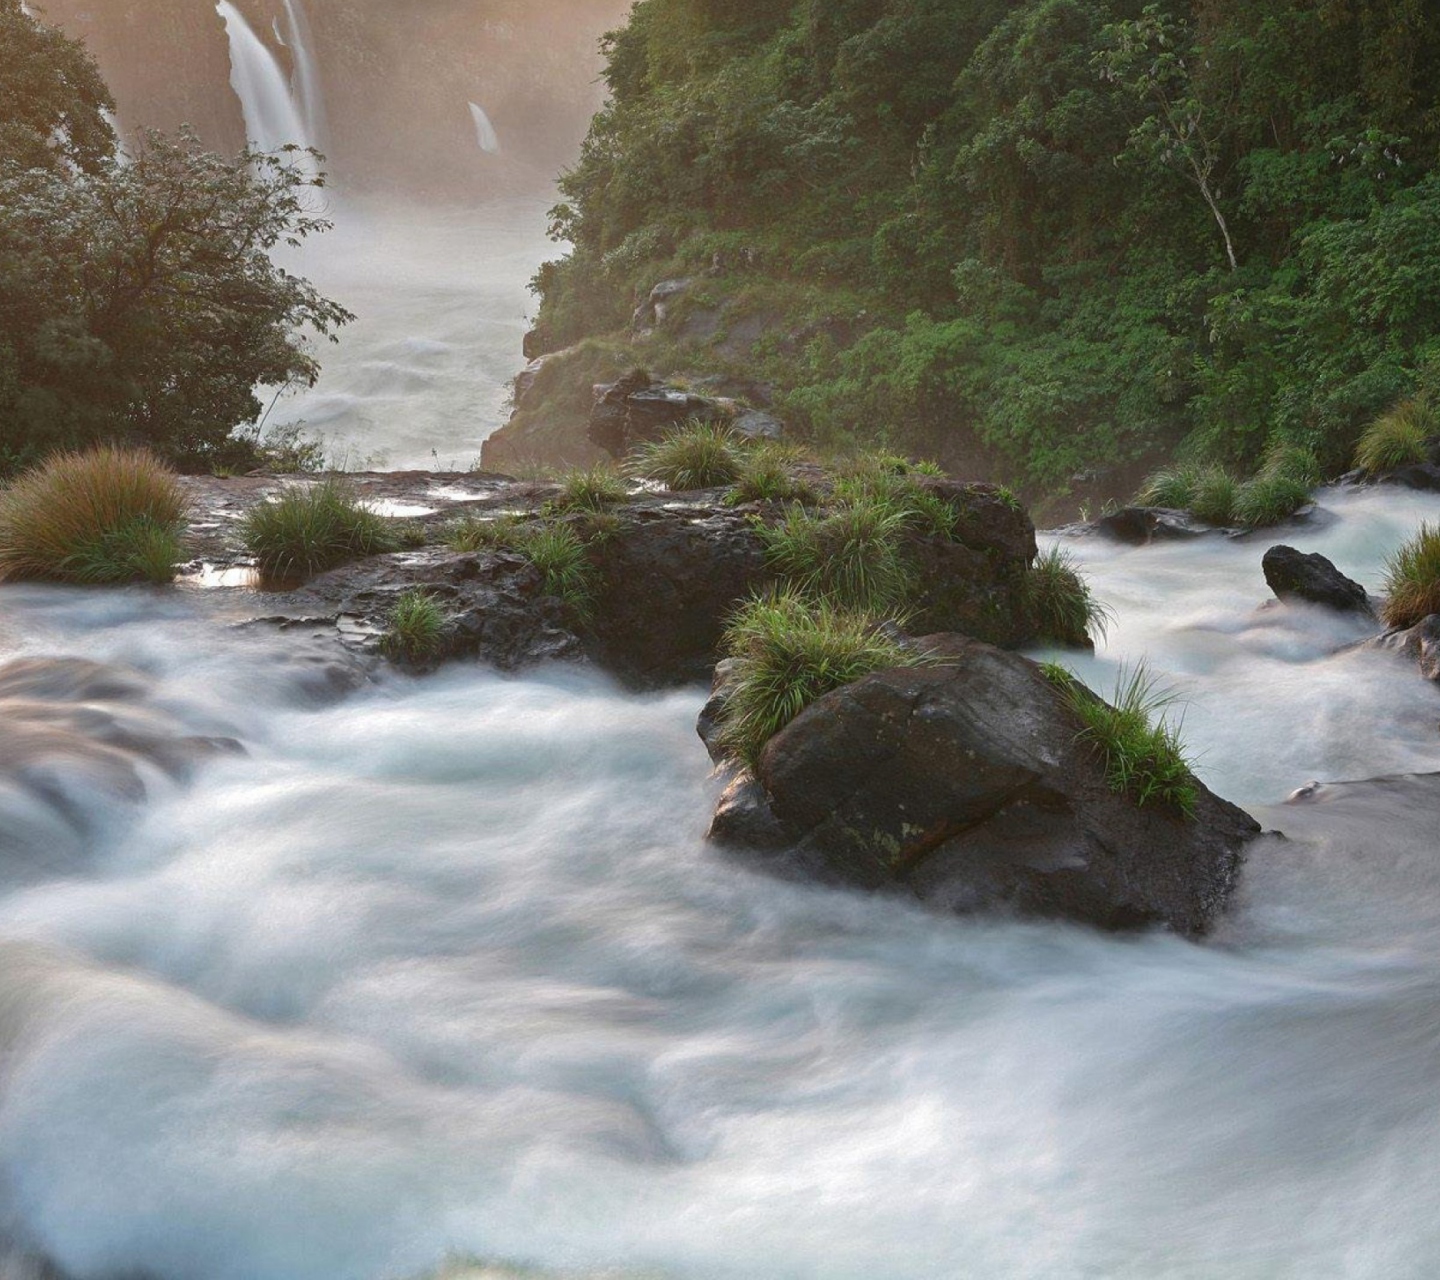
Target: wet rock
(657, 306)
(1138, 526)
(1420, 644)
(1424, 476)
(1293, 575)
(497, 607)
(965, 785)
(637, 409)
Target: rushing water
(445, 968)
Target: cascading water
(276, 115)
(485, 135)
(446, 968)
(307, 86)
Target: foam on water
(447, 969)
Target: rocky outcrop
(1139, 526)
(637, 409)
(1420, 643)
(1292, 575)
(966, 785)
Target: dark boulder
(1293, 575)
(1424, 476)
(1138, 526)
(964, 784)
(1420, 643)
(637, 409)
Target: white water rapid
(445, 969)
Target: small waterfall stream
(277, 112)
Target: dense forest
(1032, 238)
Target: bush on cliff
(106, 516)
(1059, 603)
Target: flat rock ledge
(965, 784)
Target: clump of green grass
(1216, 492)
(701, 455)
(853, 555)
(1294, 461)
(593, 489)
(415, 628)
(313, 527)
(766, 475)
(1059, 602)
(409, 534)
(475, 533)
(1397, 438)
(1412, 579)
(560, 555)
(107, 515)
(1138, 743)
(1172, 487)
(1268, 499)
(790, 650)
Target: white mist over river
(446, 969)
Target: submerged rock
(1293, 575)
(1420, 643)
(965, 783)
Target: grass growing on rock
(593, 489)
(853, 554)
(415, 627)
(1138, 743)
(560, 555)
(1058, 599)
(108, 515)
(313, 527)
(1412, 579)
(790, 650)
(699, 455)
(1269, 499)
(1397, 438)
(767, 475)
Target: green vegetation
(311, 527)
(700, 455)
(415, 628)
(475, 533)
(789, 650)
(1281, 487)
(105, 516)
(556, 549)
(1267, 500)
(767, 475)
(853, 555)
(1141, 749)
(1397, 438)
(141, 303)
(1060, 604)
(1025, 237)
(1412, 579)
(592, 489)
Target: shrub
(1059, 602)
(766, 476)
(1268, 499)
(593, 489)
(788, 651)
(853, 555)
(697, 456)
(1173, 487)
(1141, 750)
(1412, 579)
(106, 515)
(313, 527)
(1397, 438)
(415, 628)
(1293, 461)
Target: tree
(138, 298)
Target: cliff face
(397, 79)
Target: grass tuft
(415, 629)
(766, 476)
(1412, 579)
(313, 527)
(594, 489)
(854, 555)
(1060, 604)
(476, 533)
(560, 555)
(698, 456)
(107, 515)
(1268, 499)
(1138, 744)
(789, 651)
(1397, 438)
(1172, 487)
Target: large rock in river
(966, 784)
(1293, 575)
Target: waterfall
(306, 78)
(273, 117)
(485, 133)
